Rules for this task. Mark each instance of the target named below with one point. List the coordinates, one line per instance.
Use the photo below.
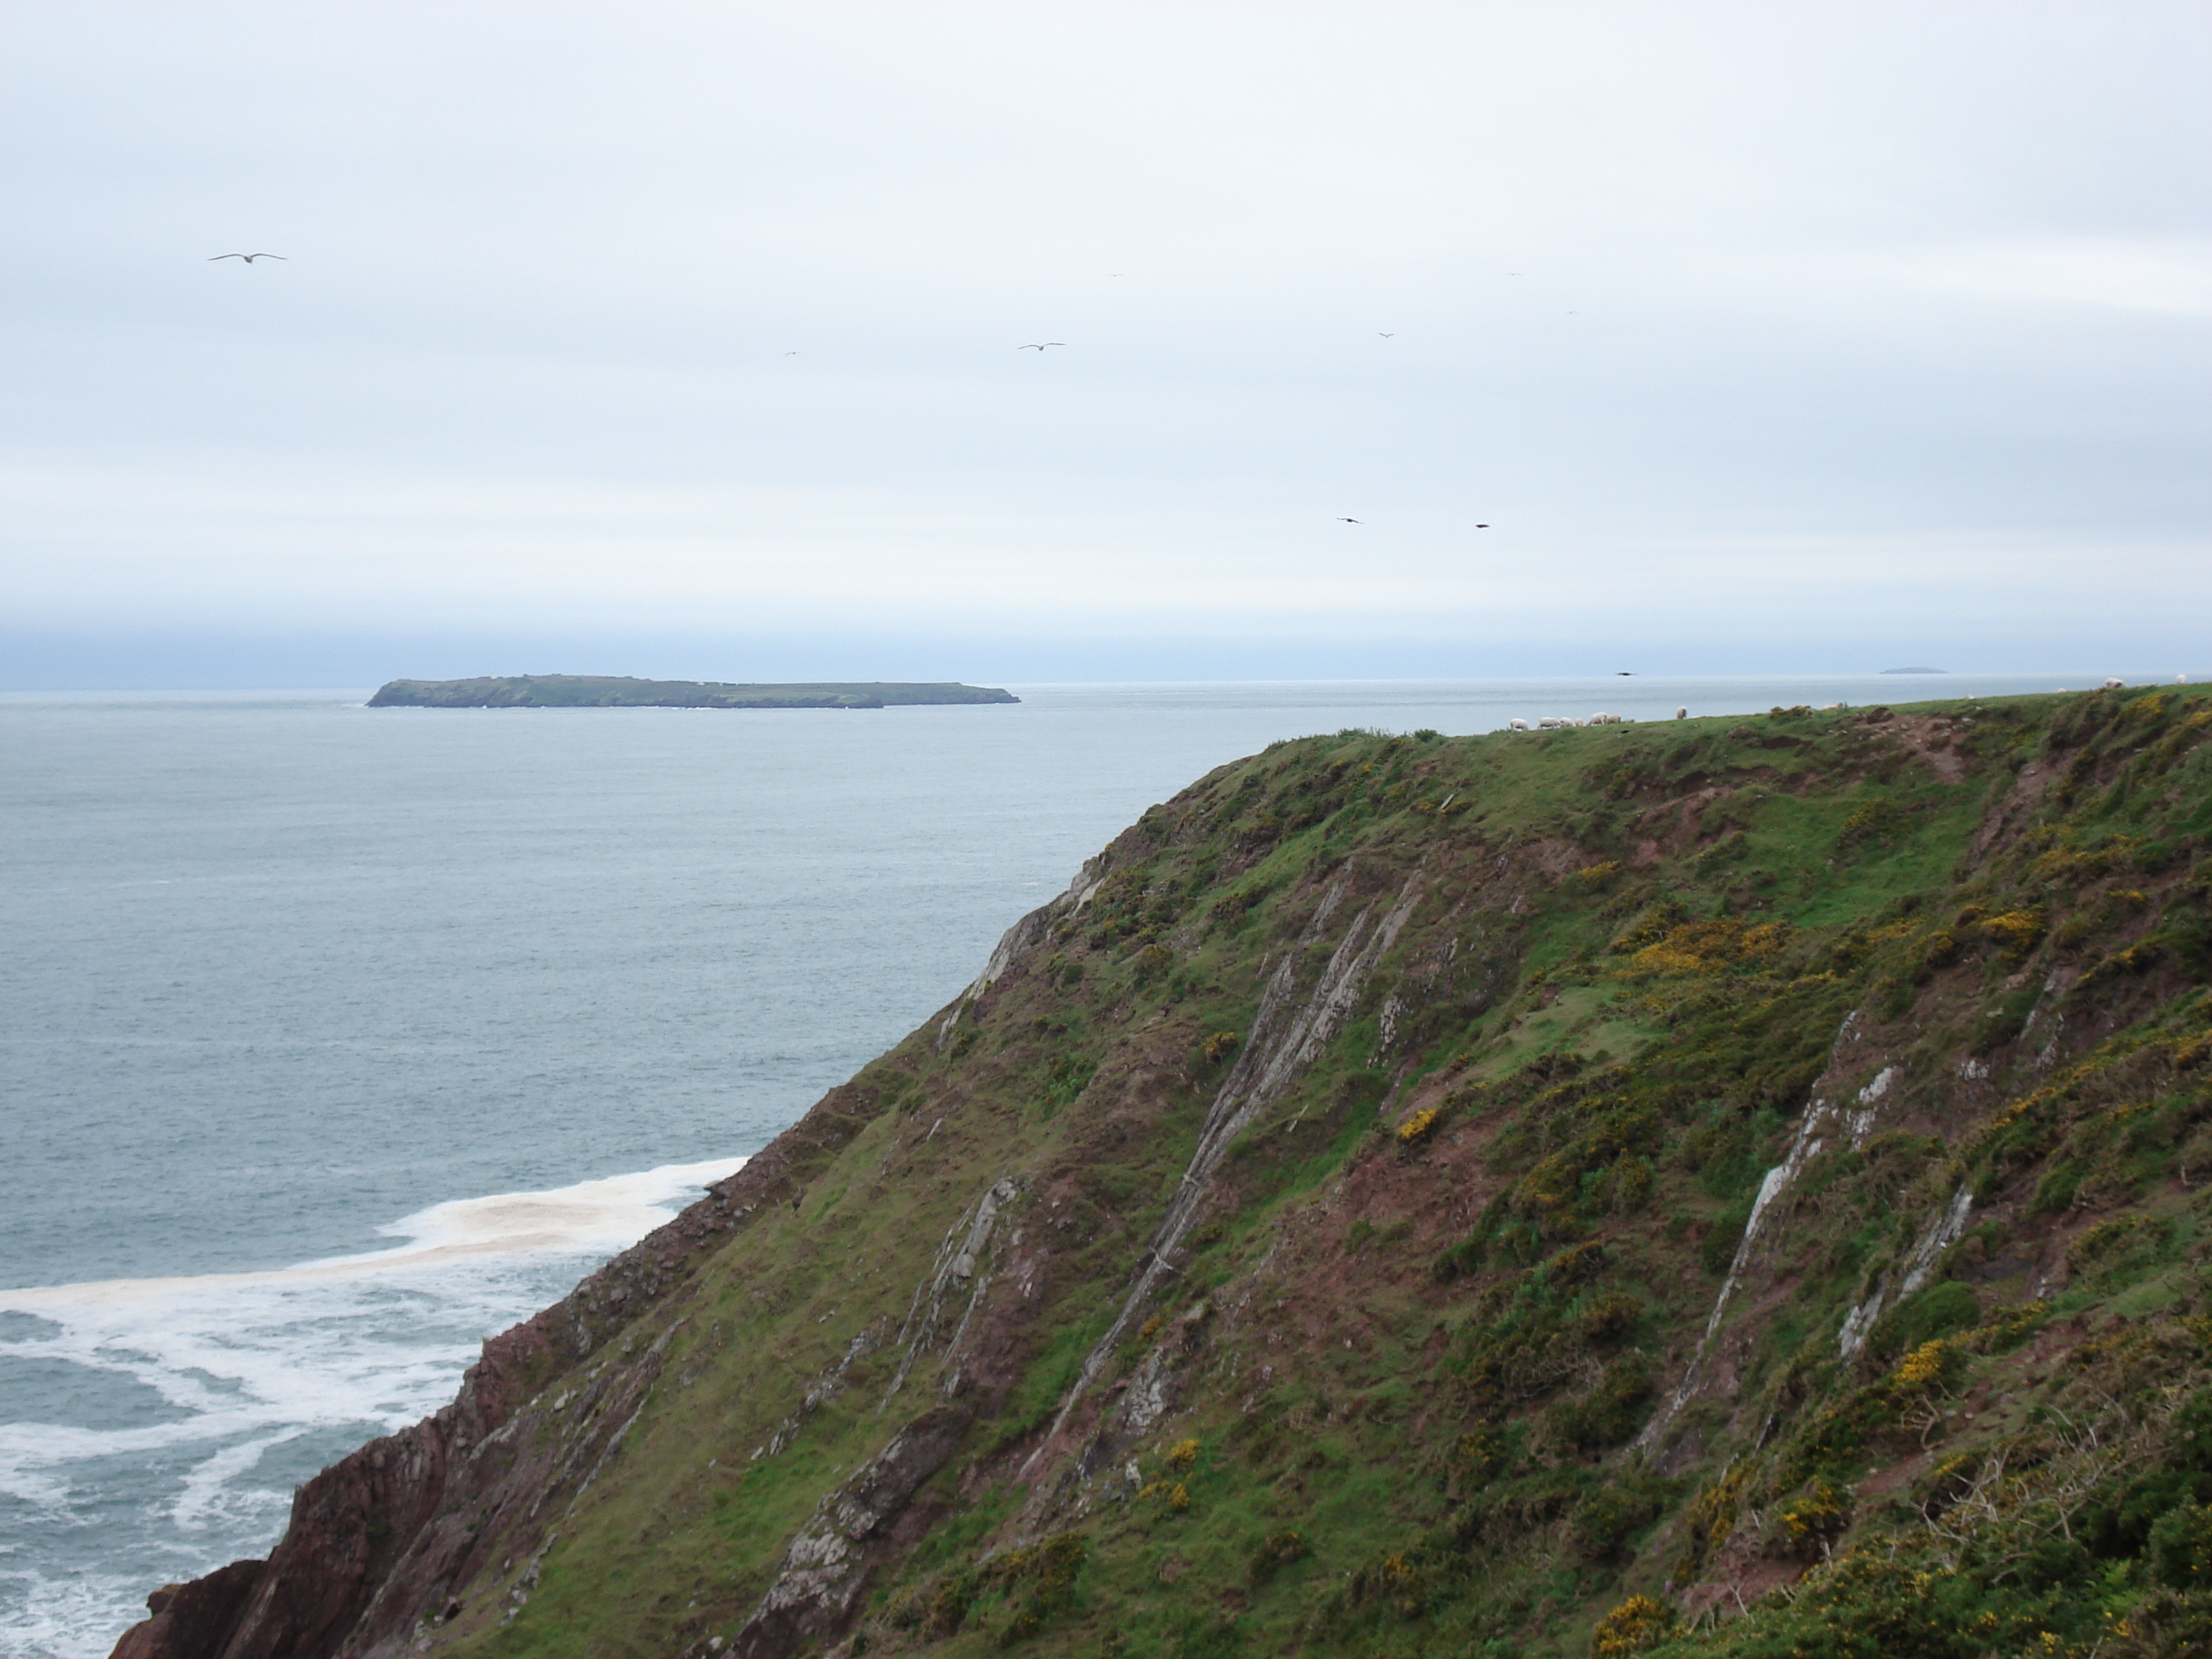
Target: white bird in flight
(1040, 348)
(248, 257)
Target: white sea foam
(590, 1218)
(60, 1616)
(208, 1494)
(220, 1392)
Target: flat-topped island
(623, 692)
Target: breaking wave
(160, 1425)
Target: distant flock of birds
(1038, 346)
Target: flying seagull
(1482, 527)
(1340, 518)
(1040, 348)
(1381, 336)
(248, 257)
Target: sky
(687, 340)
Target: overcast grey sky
(683, 338)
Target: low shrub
(1600, 1527)
(1815, 1516)
(1275, 1552)
(1638, 1623)
(1419, 1128)
(1611, 1411)
(1934, 1312)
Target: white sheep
(1682, 713)
(1517, 725)
(2114, 685)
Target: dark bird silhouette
(1482, 527)
(248, 257)
(1340, 518)
(1381, 336)
(1040, 348)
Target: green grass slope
(1730, 1187)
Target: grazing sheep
(1517, 725)
(2114, 685)
(1551, 720)
(1682, 713)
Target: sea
(335, 1039)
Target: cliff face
(1731, 1187)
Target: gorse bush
(1635, 1626)
(1419, 1127)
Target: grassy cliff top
(1730, 1187)
(621, 691)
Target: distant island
(623, 692)
(1914, 671)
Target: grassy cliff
(1728, 1187)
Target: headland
(1716, 1189)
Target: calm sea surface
(334, 1039)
